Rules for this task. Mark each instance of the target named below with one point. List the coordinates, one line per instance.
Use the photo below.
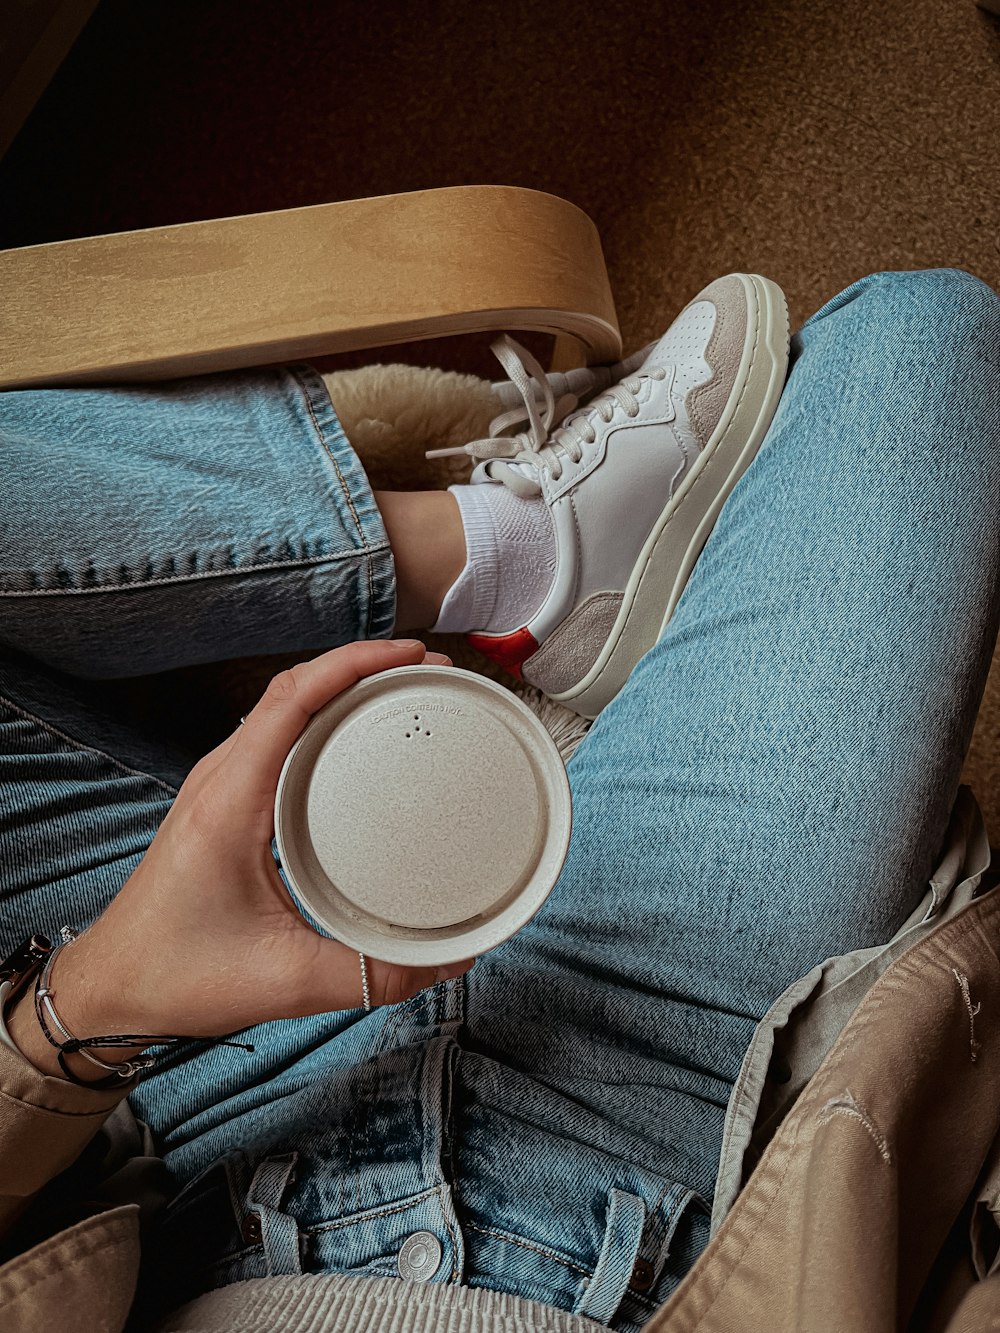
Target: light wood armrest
(304, 282)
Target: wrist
(80, 1004)
(88, 990)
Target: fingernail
(406, 643)
(438, 658)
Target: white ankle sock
(510, 561)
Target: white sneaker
(634, 482)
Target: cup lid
(423, 816)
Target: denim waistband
(434, 1164)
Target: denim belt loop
(613, 1271)
(279, 1231)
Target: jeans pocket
(557, 1204)
(416, 1238)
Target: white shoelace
(544, 445)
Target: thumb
(293, 697)
(390, 983)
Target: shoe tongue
(481, 472)
(658, 356)
(652, 356)
(525, 469)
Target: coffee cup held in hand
(423, 816)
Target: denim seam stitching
(687, 1196)
(529, 1245)
(90, 749)
(321, 433)
(194, 578)
(412, 1009)
(453, 1275)
(342, 1222)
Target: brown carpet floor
(812, 142)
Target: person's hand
(203, 938)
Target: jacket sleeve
(45, 1123)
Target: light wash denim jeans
(770, 788)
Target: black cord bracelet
(119, 1073)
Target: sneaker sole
(672, 548)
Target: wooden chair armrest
(304, 282)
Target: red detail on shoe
(510, 651)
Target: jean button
(419, 1257)
(642, 1276)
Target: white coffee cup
(423, 816)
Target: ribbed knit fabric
(335, 1303)
(510, 561)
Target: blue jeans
(770, 788)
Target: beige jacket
(859, 1187)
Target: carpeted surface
(811, 142)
